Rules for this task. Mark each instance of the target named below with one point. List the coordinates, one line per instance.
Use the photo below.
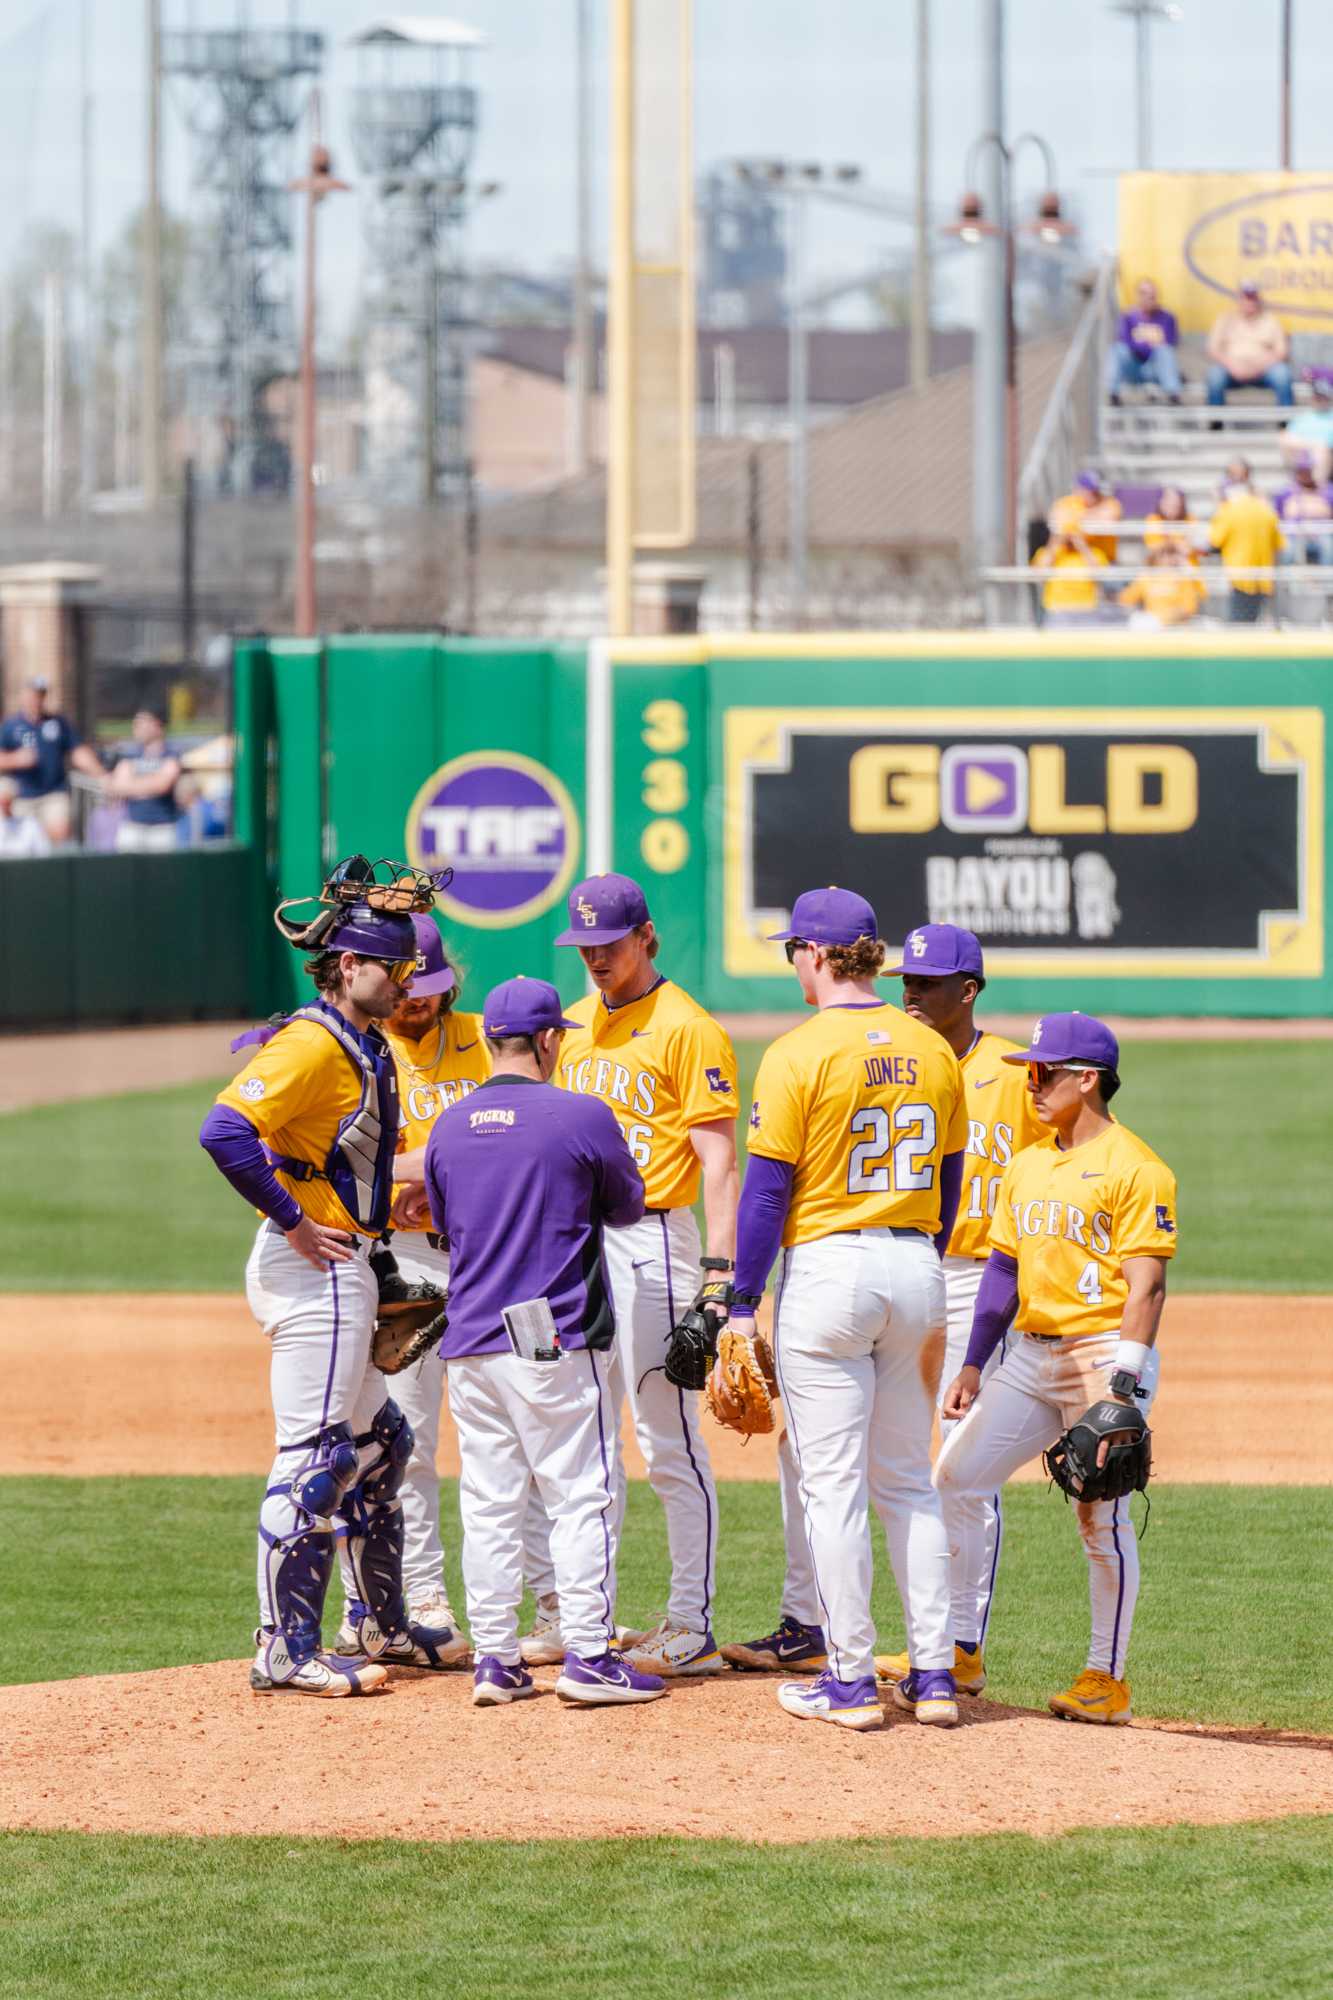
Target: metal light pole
(921, 286)
(620, 331)
(318, 183)
(1286, 86)
(584, 360)
(1143, 13)
(798, 399)
(150, 331)
(992, 362)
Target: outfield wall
(1133, 828)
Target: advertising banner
(1200, 236)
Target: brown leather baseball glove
(742, 1385)
(410, 1320)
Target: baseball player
(668, 1072)
(439, 1055)
(522, 1178)
(942, 974)
(1082, 1233)
(307, 1133)
(857, 1133)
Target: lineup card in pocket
(532, 1330)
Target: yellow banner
(1200, 236)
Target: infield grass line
(1177, 1913)
(160, 1572)
(115, 1194)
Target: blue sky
(829, 83)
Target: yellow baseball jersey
(1071, 1218)
(296, 1090)
(664, 1066)
(450, 1060)
(1000, 1123)
(863, 1102)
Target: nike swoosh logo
(1087, 1175)
(982, 1081)
(642, 1264)
(639, 1031)
(785, 1652)
(463, 1047)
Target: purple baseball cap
(937, 950)
(1249, 288)
(523, 1007)
(1090, 480)
(829, 916)
(436, 974)
(1076, 1038)
(604, 908)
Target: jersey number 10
(910, 1154)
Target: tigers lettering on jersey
(441, 1069)
(296, 1090)
(863, 1102)
(1000, 1123)
(1071, 1218)
(664, 1066)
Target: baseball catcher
(1106, 1455)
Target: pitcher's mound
(190, 1750)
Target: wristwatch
(1124, 1384)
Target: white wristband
(1132, 1356)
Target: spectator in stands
(1311, 430)
(1248, 350)
(1168, 592)
(1170, 525)
(37, 747)
(19, 836)
(1145, 346)
(1089, 505)
(146, 778)
(1247, 535)
(1071, 596)
(1300, 506)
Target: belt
(894, 1229)
(436, 1241)
(1046, 1336)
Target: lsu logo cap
(604, 908)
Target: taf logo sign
(508, 829)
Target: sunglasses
(400, 970)
(793, 945)
(1042, 1073)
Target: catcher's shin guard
(374, 1518)
(296, 1535)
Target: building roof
(846, 365)
(895, 473)
(421, 30)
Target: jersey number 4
(910, 1153)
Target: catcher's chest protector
(359, 1163)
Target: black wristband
(747, 1299)
(717, 1264)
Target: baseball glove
(742, 1385)
(692, 1342)
(410, 1318)
(1072, 1459)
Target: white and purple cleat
(606, 1682)
(931, 1694)
(851, 1704)
(494, 1684)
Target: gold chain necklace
(423, 1071)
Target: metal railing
(1069, 427)
(1301, 592)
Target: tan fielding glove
(741, 1385)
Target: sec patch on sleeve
(254, 1088)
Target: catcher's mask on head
(382, 888)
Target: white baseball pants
(547, 1424)
(975, 1521)
(1044, 1387)
(419, 1394)
(653, 1271)
(319, 1324)
(859, 1341)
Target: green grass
(1181, 1913)
(1232, 1628)
(114, 1194)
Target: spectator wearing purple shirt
(1145, 347)
(521, 1177)
(1306, 513)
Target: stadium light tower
(1143, 13)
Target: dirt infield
(179, 1384)
(191, 1751)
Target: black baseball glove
(1072, 1459)
(692, 1342)
(410, 1319)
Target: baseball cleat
(606, 1682)
(929, 1695)
(794, 1649)
(431, 1647)
(494, 1684)
(543, 1645)
(851, 1704)
(672, 1650)
(323, 1675)
(432, 1607)
(969, 1668)
(1094, 1697)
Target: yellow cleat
(969, 1669)
(1094, 1697)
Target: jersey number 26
(868, 1170)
